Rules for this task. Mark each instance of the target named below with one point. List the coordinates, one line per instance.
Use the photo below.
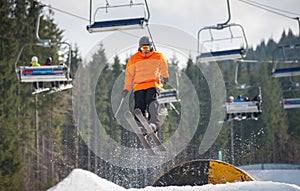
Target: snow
(276, 172)
(81, 180)
(285, 176)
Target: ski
(40, 90)
(143, 120)
(60, 88)
(130, 119)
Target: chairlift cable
(269, 9)
(65, 12)
(172, 46)
(274, 8)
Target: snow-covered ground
(276, 172)
(82, 180)
(284, 176)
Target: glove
(124, 93)
(165, 80)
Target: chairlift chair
(224, 53)
(117, 23)
(169, 96)
(245, 107)
(221, 53)
(286, 61)
(289, 101)
(53, 73)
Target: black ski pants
(146, 101)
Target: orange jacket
(143, 71)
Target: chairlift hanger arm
(221, 25)
(44, 41)
(298, 20)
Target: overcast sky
(186, 15)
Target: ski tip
(127, 113)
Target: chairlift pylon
(117, 23)
(226, 53)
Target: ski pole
(121, 102)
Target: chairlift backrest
(119, 17)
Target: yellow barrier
(203, 171)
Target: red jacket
(144, 71)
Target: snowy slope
(81, 180)
(285, 176)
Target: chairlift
(286, 61)
(213, 48)
(169, 96)
(51, 73)
(113, 24)
(290, 101)
(244, 109)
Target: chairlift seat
(242, 107)
(286, 72)
(43, 73)
(168, 96)
(291, 103)
(221, 55)
(122, 24)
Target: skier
(48, 62)
(259, 100)
(38, 86)
(229, 100)
(143, 72)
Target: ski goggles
(146, 48)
